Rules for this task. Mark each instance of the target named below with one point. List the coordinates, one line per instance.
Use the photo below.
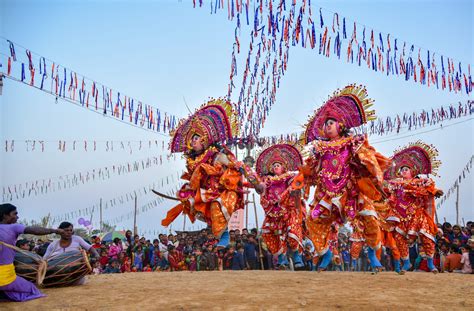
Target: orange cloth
(354, 202)
(214, 192)
(453, 262)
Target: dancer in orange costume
(345, 169)
(213, 190)
(387, 230)
(277, 168)
(412, 199)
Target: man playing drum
(12, 286)
(69, 243)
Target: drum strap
(7, 274)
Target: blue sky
(164, 51)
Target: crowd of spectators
(198, 251)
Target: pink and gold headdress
(214, 122)
(348, 106)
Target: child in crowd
(112, 267)
(104, 259)
(97, 268)
(138, 257)
(453, 260)
(127, 265)
(466, 264)
(192, 265)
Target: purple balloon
(87, 223)
(81, 221)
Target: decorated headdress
(418, 156)
(348, 106)
(287, 155)
(214, 122)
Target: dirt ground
(260, 290)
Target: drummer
(68, 243)
(12, 286)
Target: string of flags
(407, 121)
(116, 201)
(38, 145)
(279, 25)
(465, 172)
(68, 181)
(34, 70)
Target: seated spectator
(466, 263)
(421, 264)
(192, 265)
(104, 258)
(97, 268)
(175, 259)
(453, 260)
(126, 265)
(112, 267)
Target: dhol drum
(67, 269)
(29, 266)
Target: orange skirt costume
(345, 170)
(412, 200)
(213, 189)
(283, 223)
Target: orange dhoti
(280, 232)
(319, 228)
(423, 225)
(214, 205)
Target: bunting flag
(465, 172)
(404, 122)
(63, 83)
(277, 26)
(416, 120)
(38, 145)
(55, 184)
(115, 202)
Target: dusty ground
(244, 290)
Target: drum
(67, 269)
(29, 266)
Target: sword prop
(164, 195)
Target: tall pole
(256, 224)
(247, 212)
(184, 222)
(100, 210)
(135, 229)
(457, 205)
